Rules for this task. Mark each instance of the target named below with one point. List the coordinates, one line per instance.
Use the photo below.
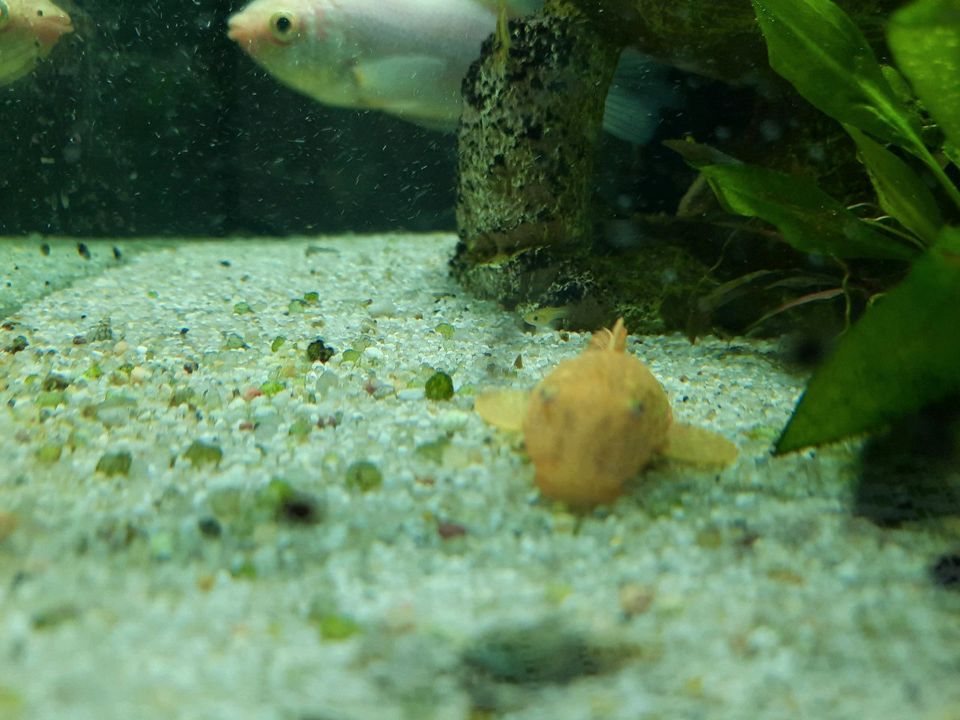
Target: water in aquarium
(479, 359)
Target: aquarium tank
(480, 359)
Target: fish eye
(282, 25)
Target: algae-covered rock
(530, 237)
(532, 113)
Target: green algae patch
(200, 454)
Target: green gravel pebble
(54, 615)
(363, 475)
(446, 330)
(115, 463)
(439, 386)
(200, 453)
(232, 341)
(53, 381)
(300, 428)
(49, 452)
(94, 372)
(272, 387)
(51, 398)
(433, 450)
(337, 627)
(19, 344)
(243, 569)
(319, 351)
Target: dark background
(148, 120)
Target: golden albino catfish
(409, 57)
(596, 420)
(28, 31)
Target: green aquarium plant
(904, 352)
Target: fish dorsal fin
(615, 339)
(637, 94)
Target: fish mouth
(50, 27)
(239, 32)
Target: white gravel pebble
(203, 589)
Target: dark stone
(299, 509)
(209, 527)
(946, 571)
(541, 653)
(319, 351)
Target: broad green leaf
(903, 354)
(952, 152)
(818, 48)
(898, 83)
(809, 219)
(699, 154)
(900, 191)
(925, 40)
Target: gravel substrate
(185, 530)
